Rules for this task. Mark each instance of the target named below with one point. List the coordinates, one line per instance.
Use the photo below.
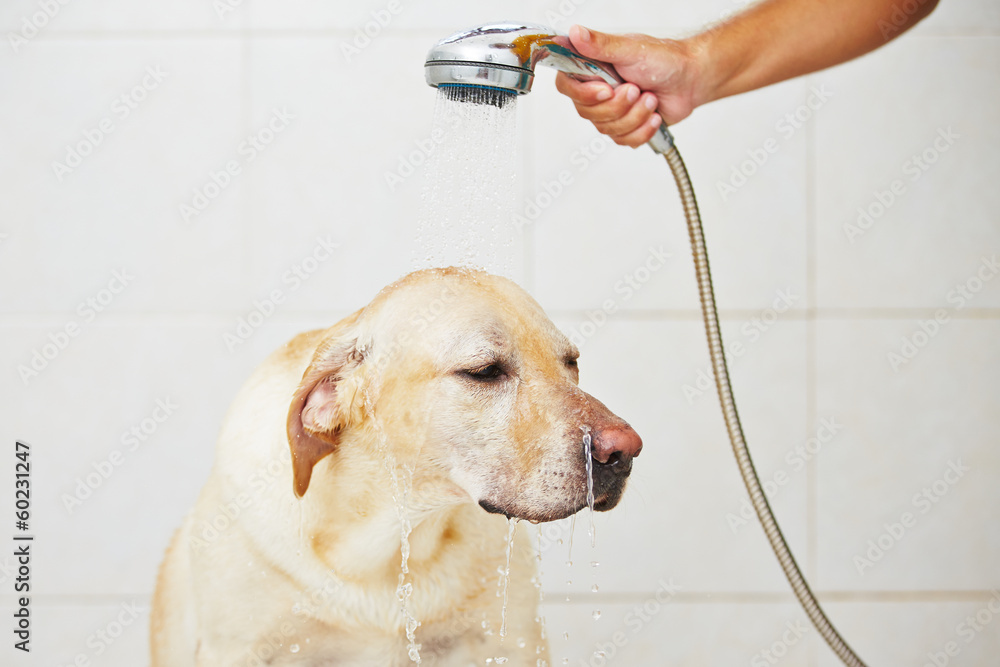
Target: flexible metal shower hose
(809, 602)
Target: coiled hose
(705, 293)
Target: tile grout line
(558, 597)
(246, 102)
(16, 318)
(812, 536)
(812, 305)
(326, 32)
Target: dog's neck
(358, 531)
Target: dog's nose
(615, 446)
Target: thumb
(602, 46)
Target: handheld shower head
(501, 58)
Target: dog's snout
(616, 446)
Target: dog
(408, 436)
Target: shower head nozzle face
(497, 97)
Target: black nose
(613, 448)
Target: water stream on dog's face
(401, 478)
(469, 195)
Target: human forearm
(781, 39)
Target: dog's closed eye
(490, 373)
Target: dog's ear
(325, 402)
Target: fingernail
(582, 33)
(655, 120)
(651, 102)
(632, 95)
(604, 94)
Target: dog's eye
(491, 372)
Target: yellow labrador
(450, 394)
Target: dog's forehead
(462, 313)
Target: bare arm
(771, 41)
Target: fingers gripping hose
(732, 418)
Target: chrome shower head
(500, 59)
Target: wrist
(707, 81)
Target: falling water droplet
(572, 532)
(593, 589)
(294, 648)
(302, 527)
(596, 614)
(540, 620)
(511, 528)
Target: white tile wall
(921, 443)
(352, 116)
(625, 202)
(651, 633)
(927, 104)
(112, 631)
(686, 476)
(920, 633)
(60, 16)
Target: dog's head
(465, 380)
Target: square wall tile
(685, 511)
(374, 20)
(919, 633)
(905, 196)
(661, 19)
(326, 176)
(907, 498)
(618, 209)
(34, 19)
(974, 17)
(110, 632)
(656, 629)
(95, 186)
(122, 426)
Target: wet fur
(295, 539)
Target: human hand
(661, 75)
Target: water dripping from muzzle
(505, 576)
(588, 454)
